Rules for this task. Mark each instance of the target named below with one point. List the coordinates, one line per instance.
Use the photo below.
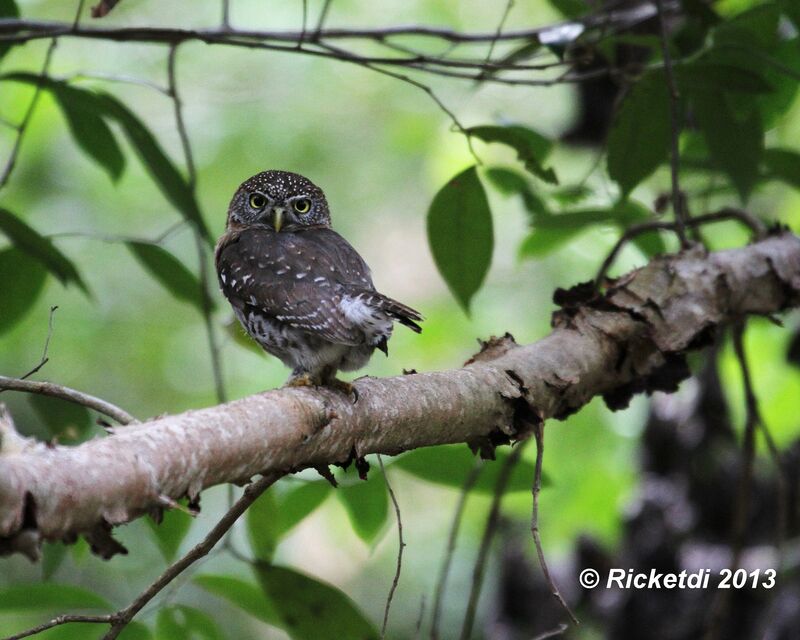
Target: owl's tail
(405, 315)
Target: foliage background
(380, 149)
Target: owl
(297, 287)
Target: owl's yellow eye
(302, 206)
(257, 201)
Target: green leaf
(47, 596)
(640, 134)
(161, 169)
(309, 609)
(531, 147)
(21, 282)
(8, 9)
(509, 182)
(135, 631)
(792, 10)
(299, 502)
(570, 8)
(460, 234)
(262, 526)
(450, 465)
(735, 145)
(544, 240)
(83, 113)
(169, 271)
(53, 554)
(784, 165)
(755, 27)
(244, 595)
(714, 76)
(42, 249)
(367, 505)
(66, 421)
(175, 524)
(180, 622)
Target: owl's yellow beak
(277, 218)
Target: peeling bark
(631, 339)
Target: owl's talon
(345, 387)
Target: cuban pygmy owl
(298, 287)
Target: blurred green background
(380, 149)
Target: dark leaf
(48, 596)
(42, 249)
(570, 8)
(715, 76)
(21, 282)
(450, 465)
(640, 134)
(169, 271)
(169, 534)
(509, 182)
(756, 27)
(161, 169)
(367, 505)
(460, 234)
(312, 610)
(244, 595)
(180, 622)
(8, 9)
(66, 421)
(531, 147)
(792, 9)
(735, 144)
(783, 164)
(83, 113)
(544, 240)
(263, 529)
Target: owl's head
(281, 200)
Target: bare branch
(755, 225)
(57, 622)
(44, 359)
(400, 547)
(71, 395)
(610, 346)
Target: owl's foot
(345, 387)
(302, 380)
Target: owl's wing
(296, 278)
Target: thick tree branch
(629, 340)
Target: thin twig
(559, 630)
(420, 617)
(499, 32)
(538, 432)
(304, 24)
(755, 225)
(58, 621)
(492, 523)
(207, 306)
(452, 538)
(400, 547)
(26, 118)
(251, 493)
(44, 359)
(112, 77)
(68, 394)
(323, 14)
(678, 202)
(226, 15)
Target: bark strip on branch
(629, 340)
